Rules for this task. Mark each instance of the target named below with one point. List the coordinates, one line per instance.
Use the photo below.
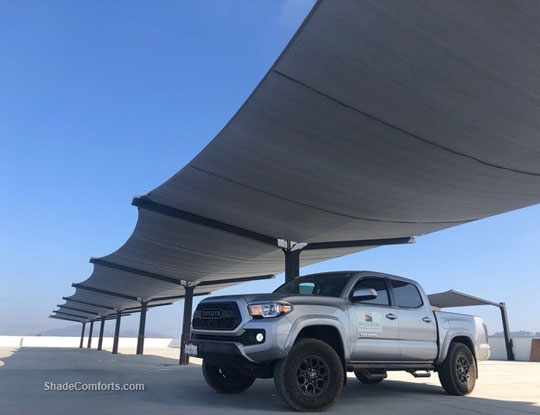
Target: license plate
(191, 349)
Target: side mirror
(364, 294)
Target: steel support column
(186, 324)
(82, 335)
(89, 345)
(101, 330)
(292, 264)
(142, 323)
(116, 332)
(507, 339)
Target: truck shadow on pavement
(173, 389)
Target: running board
(420, 373)
(374, 375)
(408, 366)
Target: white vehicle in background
(314, 329)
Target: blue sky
(101, 101)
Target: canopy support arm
(507, 339)
(292, 250)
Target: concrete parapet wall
(60, 341)
(522, 348)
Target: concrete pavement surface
(503, 388)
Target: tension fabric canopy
(453, 298)
(379, 120)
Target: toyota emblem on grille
(208, 313)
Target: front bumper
(218, 349)
(221, 353)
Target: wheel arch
(454, 337)
(466, 340)
(325, 329)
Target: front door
(374, 324)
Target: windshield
(329, 285)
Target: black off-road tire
(225, 379)
(458, 371)
(361, 376)
(295, 380)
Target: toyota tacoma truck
(314, 329)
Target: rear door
(374, 324)
(417, 325)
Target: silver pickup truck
(314, 329)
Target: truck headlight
(268, 310)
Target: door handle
(426, 319)
(391, 316)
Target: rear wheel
(311, 377)
(226, 379)
(370, 377)
(458, 371)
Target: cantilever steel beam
(152, 275)
(77, 309)
(358, 243)
(87, 303)
(135, 309)
(293, 250)
(144, 202)
(113, 316)
(235, 280)
(108, 264)
(105, 292)
(176, 297)
(72, 315)
(292, 256)
(67, 319)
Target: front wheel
(458, 371)
(311, 377)
(226, 379)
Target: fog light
(259, 337)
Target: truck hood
(294, 299)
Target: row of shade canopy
(379, 121)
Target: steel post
(101, 331)
(89, 345)
(116, 332)
(82, 335)
(186, 325)
(142, 324)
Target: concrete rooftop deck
(503, 388)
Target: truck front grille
(216, 316)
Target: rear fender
(450, 335)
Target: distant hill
(517, 334)
(74, 331)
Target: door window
(379, 286)
(406, 294)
